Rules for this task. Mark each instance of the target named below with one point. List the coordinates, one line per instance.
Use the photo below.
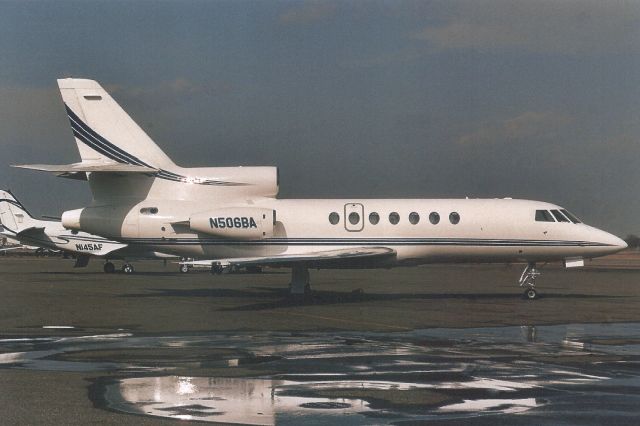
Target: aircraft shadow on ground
(281, 298)
(146, 273)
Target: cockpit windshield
(560, 215)
(571, 217)
(544, 216)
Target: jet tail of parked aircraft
(121, 161)
(103, 131)
(14, 216)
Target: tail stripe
(15, 202)
(95, 141)
(104, 146)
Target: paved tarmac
(74, 343)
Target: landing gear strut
(299, 280)
(217, 269)
(528, 280)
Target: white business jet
(231, 216)
(19, 225)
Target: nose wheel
(528, 281)
(530, 293)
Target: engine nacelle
(245, 223)
(71, 219)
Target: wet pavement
(562, 374)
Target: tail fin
(103, 130)
(13, 215)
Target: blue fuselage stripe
(366, 242)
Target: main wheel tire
(184, 269)
(109, 268)
(127, 268)
(530, 294)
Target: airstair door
(353, 217)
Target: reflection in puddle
(505, 405)
(228, 400)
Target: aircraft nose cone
(622, 244)
(614, 243)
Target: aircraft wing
(326, 258)
(31, 231)
(71, 170)
(11, 248)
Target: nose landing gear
(528, 281)
(109, 268)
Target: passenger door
(353, 217)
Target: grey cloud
(309, 11)
(541, 26)
(178, 87)
(541, 125)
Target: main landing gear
(300, 284)
(109, 268)
(528, 280)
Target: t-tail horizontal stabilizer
(79, 170)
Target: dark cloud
(542, 126)
(309, 11)
(540, 26)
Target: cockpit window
(559, 216)
(571, 217)
(544, 216)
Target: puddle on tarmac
(583, 373)
(228, 400)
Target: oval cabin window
(394, 218)
(334, 218)
(374, 218)
(454, 218)
(354, 218)
(434, 218)
(414, 218)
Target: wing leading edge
(356, 256)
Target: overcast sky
(529, 99)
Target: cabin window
(434, 218)
(394, 218)
(414, 218)
(544, 216)
(454, 218)
(334, 218)
(571, 217)
(149, 210)
(374, 218)
(559, 216)
(354, 218)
